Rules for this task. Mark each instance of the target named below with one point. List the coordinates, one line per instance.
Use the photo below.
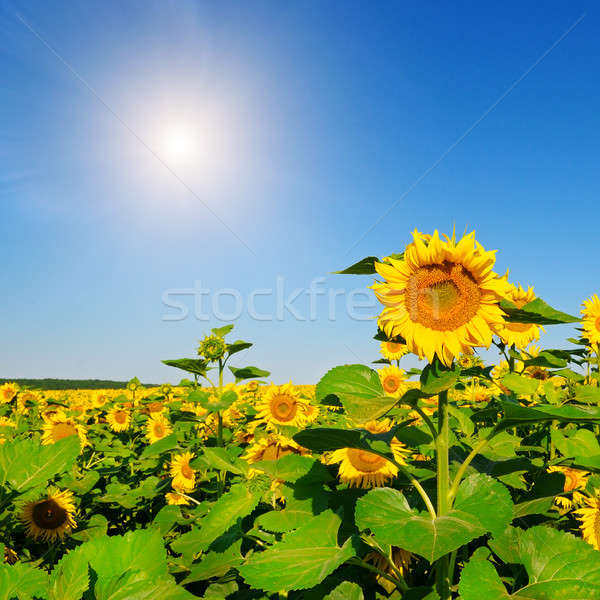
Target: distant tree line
(71, 384)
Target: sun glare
(178, 145)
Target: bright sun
(178, 145)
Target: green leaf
(216, 564)
(436, 378)
(479, 580)
(482, 504)
(293, 467)
(366, 266)
(219, 459)
(537, 506)
(346, 591)
(550, 359)
(519, 384)
(95, 527)
(515, 414)
(26, 463)
(558, 564)
(248, 373)
(22, 581)
(588, 394)
(69, 579)
(359, 390)
(166, 444)
(85, 484)
(191, 365)
(237, 503)
(536, 311)
(222, 331)
(238, 347)
(302, 559)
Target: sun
(178, 144)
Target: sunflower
(59, 426)
(10, 556)
(26, 399)
(519, 334)
(401, 560)
(281, 405)
(442, 297)
(575, 479)
(393, 381)
(157, 427)
(7, 392)
(468, 360)
(175, 498)
(474, 393)
(212, 347)
(252, 387)
(393, 350)
(118, 419)
(590, 320)
(272, 447)
(590, 520)
(51, 517)
(184, 477)
(99, 399)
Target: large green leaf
(302, 559)
(293, 467)
(22, 581)
(479, 580)
(237, 503)
(536, 311)
(166, 444)
(558, 564)
(216, 564)
(520, 384)
(248, 373)
(238, 347)
(190, 365)
(26, 463)
(366, 266)
(436, 378)
(482, 504)
(359, 390)
(346, 591)
(69, 579)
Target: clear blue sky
(298, 125)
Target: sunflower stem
(400, 584)
(462, 469)
(443, 484)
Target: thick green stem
(443, 484)
(461, 470)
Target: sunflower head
(212, 347)
(176, 498)
(591, 320)
(393, 350)
(393, 381)
(118, 418)
(589, 517)
(7, 392)
(519, 334)
(282, 405)
(157, 428)
(59, 426)
(442, 297)
(184, 477)
(49, 518)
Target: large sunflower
(282, 405)
(7, 392)
(590, 520)
(364, 469)
(393, 350)
(157, 428)
(184, 477)
(442, 297)
(51, 517)
(60, 426)
(591, 320)
(119, 419)
(519, 334)
(393, 381)
(272, 447)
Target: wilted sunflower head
(519, 334)
(442, 297)
(282, 405)
(591, 320)
(212, 347)
(7, 392)
(272, 447)
(51, 517)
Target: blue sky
(147, 146)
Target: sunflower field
(459, 479)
